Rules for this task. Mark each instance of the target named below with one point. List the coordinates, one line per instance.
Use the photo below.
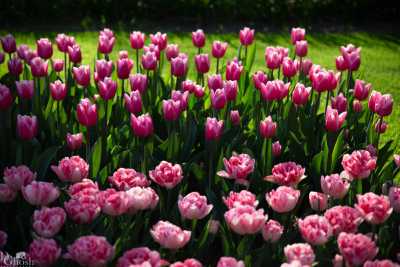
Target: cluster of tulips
(130, 163)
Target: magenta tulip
(334, 120)
(171, 51)
(6, 98)
(86, 113)
(9, 44)
(74, 53)
(138, 82)
(218, 98)
(25, 89)
(142, 126)
(15, 66)
(235, 117)
(246, 36)
(219, 49)
(301, 48)
(44, 48)
(58, 65)
(64, 41)
(74, 141)
(171, 109)
(107, 88)
(179, 65)
(159, 39)
(133, 102)
(300, 94)
(104, 69)
(213, 129)
(198, 38)
(351, 55)
(27, 127)
(339, 103)
(233, 70)
(341, 64)
(267, 127)
(124, 67)
(202, 62)
(82, 75)
(105, 44)
(297, 34)
(361, 89)
(137, 39)
(215, 81)
(149, 61)
(58, 90)
(231, 90)
(289, 68)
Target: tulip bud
(198, 38)
(188, 85)
(138, 82)
(246, 36)
(202, 63)
(179, 65)
(44, 48)
(357, 106)
(74, 141)
(297, 34)
(149, 61)
(341, 64)
(25, 89)
(233, 70)
(301, 48)
(339, 102)
(133, 102)
(218, 49)
(276, 149)
(334, 120)
(27, 127)
(137, 39)
(58, 90)
(215, 81)
(82, 75)
(142, 126)
(74, 53)
(231, 90)
(289, 68)
(213, 129)
(380, 126)
(124, 67)
(15, 66)
(64, 41)
(361, 89)
(9, 44)
(300, 94)
(235, 117)
(218, 98)
(171, 51)
(107, 88)
(58, 65)
(6, 98)
(159, 39)
(372, 150)
(86, 113)
(267, 127)
(396, 159)
(384, 105)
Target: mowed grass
(380, 55)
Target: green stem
(137, 61)
(216, 69)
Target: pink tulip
(235, 117)
(18, 177)
(213, 129)
(218, 98)
(141, 256)
(380, 127)
(25, 89)
(380, 263)
(202, 62)
(343, 219)
(9, 44)
(7, 194)
(90, 251)
(305, 66)
(243, 198)
(141, 198)
(352, 56)
(187, 263)
(315, 229)
(356, 248)
(273, 57)
(123, 54)
(245, 219)
(149, 61)
(194, 206)
(301, 48)
(301, 252)
(171, 51)
(124, 67)
(182, 97)
(259, 78)
(300, 94)
(276, 149)
(283, 199)
(335, 186)
(384, 105)
(74, 53)
(58, 65)
(27, 127)
(15, 66)
(104, 69)
(107, 88)
(44, 48)
(136, 39)
(171, 109)
(272, 231)
(198, 91)
(40, 193)
(43, 252)
(323, 80)
(6, 98)
(47, 222)
(82, 209)
(152, 48)
(218, 49)
(289, 68)
(396, 159)
(215, 82)
(361, 89)
(72, 169)
(357, 106)
(105, 44)
(112, 202)
(394, 197)
(82, 75)
(58, 90)
(238, 168)
(318, 201)
(358, 165)
(138, 82)
(86, 113)
(64, 41)
(198, 38)
(125, 179)
(333, 120)
(142, 125)
(85, 187)
(339, 103)
(107, 32)
(297, 34)
(274, 90)
(133, 102)
(169, 235)
(341, 64)
(229, 262)
(233, 70)
(74, 141)
(246, 36)
(166, 174)
(179, 65)
(159, 39)
(267, 127)
(375, 209)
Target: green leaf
(43, 161)
(325, 153)
(95, 158)
(337, 151)
(251, 55)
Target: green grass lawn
(380, 55)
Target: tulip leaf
(251, 55)
(337, 151)
(41, 164)
(95, 158)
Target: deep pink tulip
(83, 188)
(315, 229)
(43, 252)
(182, 97)
(297, 34)
(133, 102)
(380, 263)
(64, 41)
(202, 62)
(267, 127)
(357, 106)
(339, 103)
(375, 209)
(286, 173)
(301, 48)
(215, 82)
(136, 39)
(233, 70)
(231, 89)
(218, 49)
(301, 252)
(283, 199)
(47, 222)
(124, 67)
(361, 89)
(169, 235)
(159, 39)
(245, 219)
(343, 219)
(335, 186)
(341, 64)
(179, 65)
(198, 91)
(358, 165)
(300, 94)
(243, 198)
(107, 32)
(44, 48)
(17, 177)
(274, 90)
(352, 56)
(58, 65)
(74, 53)
(152, 48)
(229, 262)
(25, 89)
(276, 149)
(7, 195)
(27, 127)
(138, 82)
(273, 57)
(198, 38)
(82, 75)
(394, 197)
(333, 120)
(6, 98)
(83, 209)
(384, 105)
(123, 54)
(235, 117)
(272, 231)
(187, 263)
(149, 61)
(380, 127)
(142, 125)
(72, 169)
(86, 113)
(318, 201)
(289, 68)
(58, 90)
(15, 66)
(356, 248)
(259, 78)
(39, 67)
(141, 256)
(9, 44)
(306, 65)
(218, 98)
(74, 141)
(246, 36)
(171, 109)
(188, 85)
(194, 206)
(124, 179)
(238, 168)
(323, 80)
(113, 202)
(107, 88)
(213, 129)
(105, 44)
(104, 69)
(40, 193)
(171, 51)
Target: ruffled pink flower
(194, 206)
(169, 235)
(18, 176)
(40, 193)
(245, 219)
(335, 186)
(318, 201)
(7, 194)
(112, 202)
(286, 173)
(141, 198)
(238, 167)
(343, 219)
(300, 252)
(337, 261)
(359, 164)
(243, 198)
(141, 256)
(72, 169)
(84, 187)
(259, 78)
(229, 262)
(47, 222)
(272, 231)
(125, 179)
(90, 251)
(82, 209)
(167, 174)
(375, 209)
(380, 263)
(394, 197)
(283, 199)
(187, 263)
(44, 252)
(315, 229)
(356, 248)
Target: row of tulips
(283, 165)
